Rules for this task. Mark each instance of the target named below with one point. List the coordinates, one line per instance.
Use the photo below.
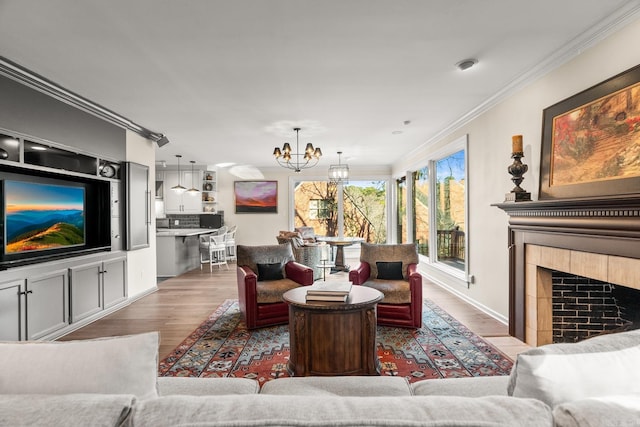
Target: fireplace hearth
(598, 239)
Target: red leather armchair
(393, 270)
(260, 300)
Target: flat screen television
(47, 216)
(42, 217)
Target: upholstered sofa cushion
(468, 387)
(115, 365)
(613, 410)
(206, 386)
(371, 253)
(531, 375)
(272, 290)
(559, 378)
(271, 410)
(339, 386)
(395, 291)
(69, 410)
(251, 256)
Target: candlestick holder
(516, 170)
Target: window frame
(460, 144)
(440, 271)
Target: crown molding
(611, 24)
(20, 74)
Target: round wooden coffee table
(333, 338)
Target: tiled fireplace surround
(592, 238)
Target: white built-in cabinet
(182, 203)
(44, 300)
(35, 306)
(96, 286)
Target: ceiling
(227, 81)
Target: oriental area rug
(443, 348)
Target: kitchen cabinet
(96, 286)
(181, 203)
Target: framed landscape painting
(591, 141)
(256, 196)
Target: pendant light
(179, 188)
(193, 190)
(340, 172)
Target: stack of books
(329, 291)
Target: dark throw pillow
(270, 272)
(389, 270)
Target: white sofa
(112, 382)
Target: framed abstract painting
(256, 196)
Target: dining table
(339, 242)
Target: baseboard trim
(84, 322)
(483, 308)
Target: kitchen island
(178, 250)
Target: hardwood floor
(184, 302)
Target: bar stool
(217, 252)
(230, 243)
(205, 242)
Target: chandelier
(297, 161)
(339, 173)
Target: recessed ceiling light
(465, 64)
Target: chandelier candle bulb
(516, 144)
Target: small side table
(324, 264)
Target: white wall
(141, 274)
(262, 229)
(490, 150)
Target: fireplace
(584, 307)
(597, 240)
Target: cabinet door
(114, 281)
(192, 203)
(182, 203)
(172, 200)
(86, 295)
(12, 311)
(137, 206)
(47, 304)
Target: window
(439, 202)
(365, 210)
(319, 208)
(450, 209)
(315, 205)
(401, 206)
(420, 201)
(359, 207)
